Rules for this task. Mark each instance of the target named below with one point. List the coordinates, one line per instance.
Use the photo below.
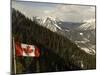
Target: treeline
(29, 31)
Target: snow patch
(89, 51)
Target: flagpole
(14, 56)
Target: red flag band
(18, 49)
(37, 52)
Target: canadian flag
(22, 49)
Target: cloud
(74, 13)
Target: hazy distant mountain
(87, 33)
(88, 25)
(84, 36)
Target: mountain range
(83, 34)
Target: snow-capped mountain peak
(88, 25)
(49, 22)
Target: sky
(65, 12)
